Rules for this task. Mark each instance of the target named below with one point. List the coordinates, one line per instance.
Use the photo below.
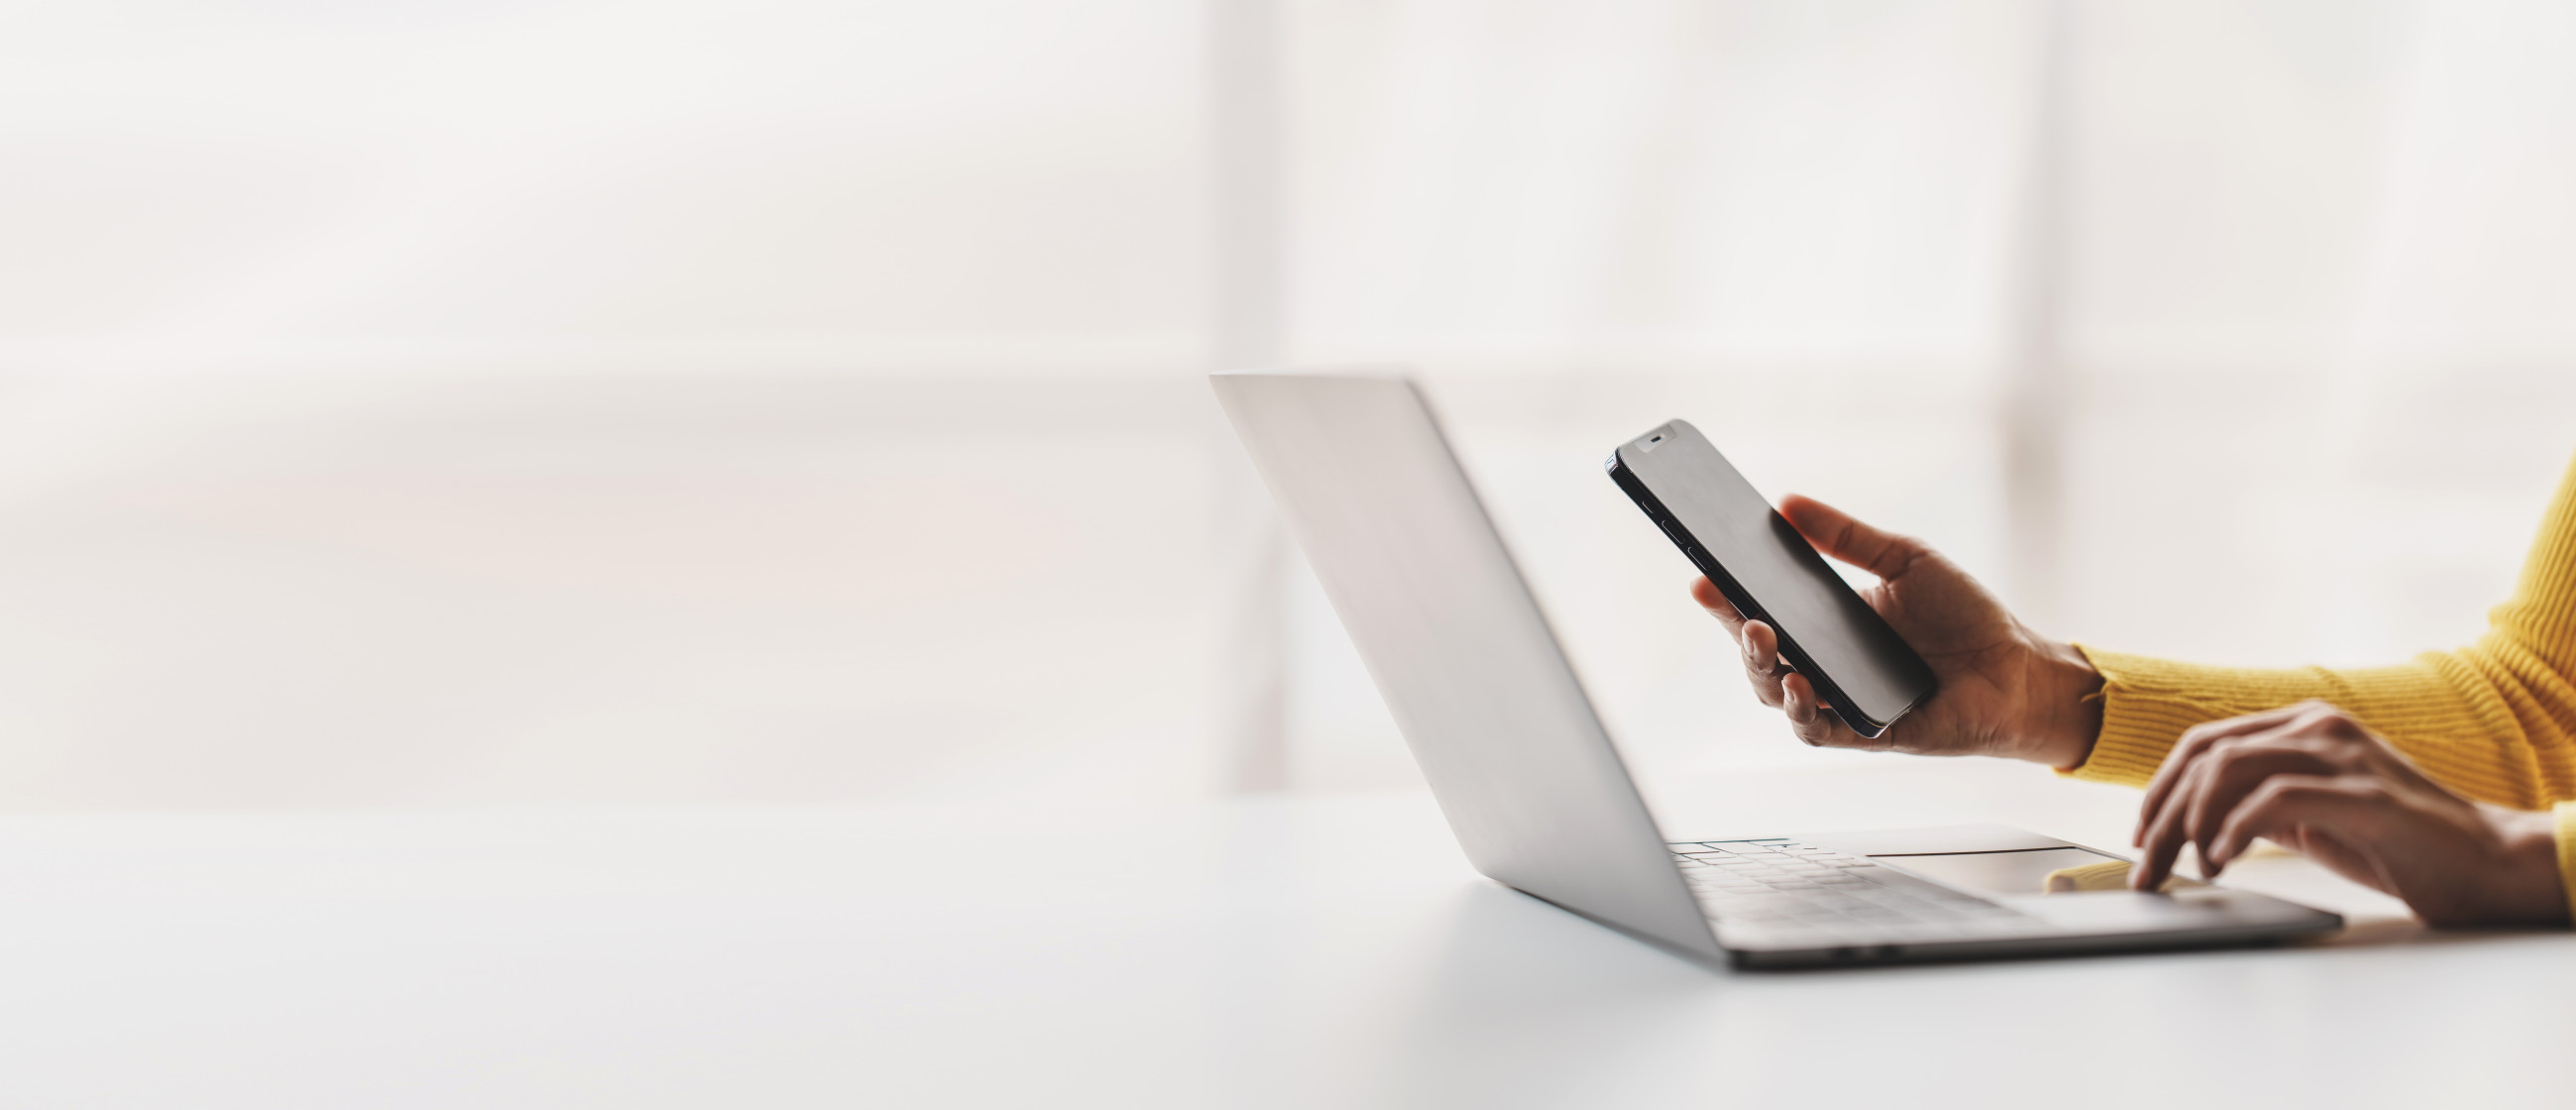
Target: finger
(1714, 600)
(2234, 770)
(2176, 816)
(1811, 722)
(2160, 845)
(1838, 534)
(2351, 810)
(2195, 741)
(1762, 664)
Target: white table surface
(1279, 952)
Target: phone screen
(1861, 668)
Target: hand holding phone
(2003, 689)
(1860, 668)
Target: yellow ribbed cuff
(2565, 812)
(2146, 705)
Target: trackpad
(2039, 871)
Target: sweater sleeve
(2495, 720)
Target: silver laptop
(1535, 790)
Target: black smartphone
(1861, 669)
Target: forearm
(2487, 722)
(2496, 721)
(2471, 719)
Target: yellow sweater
(2495, 721)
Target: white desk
(1292, 952)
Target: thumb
(1836, 533)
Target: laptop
(1536, 792)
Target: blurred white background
(410, 403)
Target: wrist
(2064, 714)
(2531, 885)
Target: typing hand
(2004, 690)
(2314, 780)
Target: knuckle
(2324, 716)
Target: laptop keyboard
(1783, 892)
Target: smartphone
(1861, 669)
